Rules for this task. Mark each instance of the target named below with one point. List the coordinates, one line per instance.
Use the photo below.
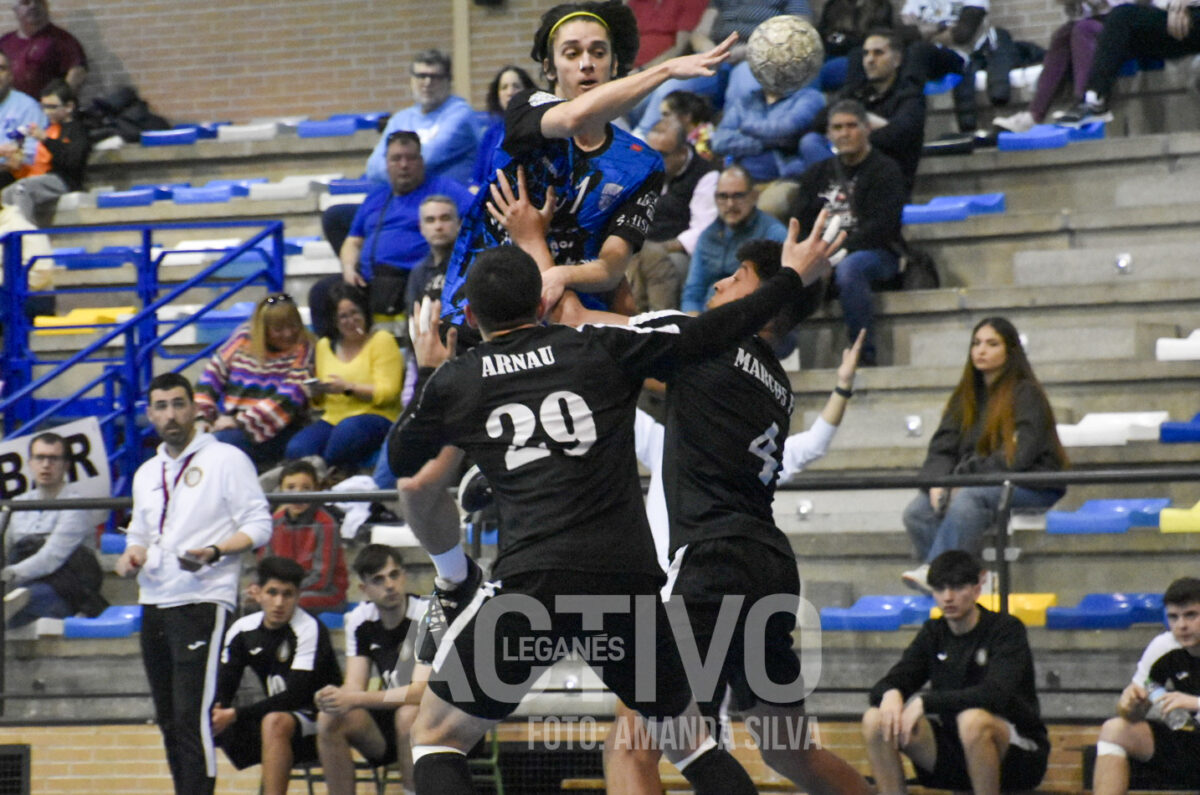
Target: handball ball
(784, 54)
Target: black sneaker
(445, 605)
(474, 491)
(1083, 113)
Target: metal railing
(124, 378)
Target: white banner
(87, 460)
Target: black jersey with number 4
(727, 420)
(547, 413)
(390, 650)
(292, 662)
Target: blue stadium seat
(218, 324)
(112, 543)
(237, 187)
(491, 537)
(118, 621)
(79, 258)
(163, 190)
(345, 186)
(363, 121)
(934, 213)
(878, 613)
(205, 195)
(1042, 136)
(181, 137)
(327, 128)
(1106, 516)
(977, 204)
(334, 619)
(205, 130)
(295, 245)
(914, 608)
(126, 198)
(1174, 432)
(1088, 132)
(1108, 611)
(943, 85)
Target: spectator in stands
(863, 188)
(381, 632)
(1164, 29)
(895, 105)
(998, 419)
(445, 125)
(58, 166)
(947, 33)
(385, 241)
(717, 250)
(292, 656)
(196, 507)
(251, 395)
(40, 51)
(19, 112)
(684, 209)
(978, 727)
(1071, 53)
(1163, 757)
(695, 114)
(761, 131)
(508, 82)
(439, 227)
(664, 31)
(308, 534)
(360, 374)
(51, 555)
(732, 80)
(844, 27)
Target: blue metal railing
(124, 378)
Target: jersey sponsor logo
(196, 644)
(506, 363)
(942, 656)
(539, 98)
(255, 650)
(752, 366)
(981, 657)
(375, 646)
(193, 476)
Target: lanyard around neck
(162, 519)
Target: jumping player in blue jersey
(605, 181)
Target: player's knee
(977, 726)
(1116, 731)
(329, 725)
(278, 726)
(872, 724)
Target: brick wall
(244, 58)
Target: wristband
(348, 392)
(846, 393)
(216, 553)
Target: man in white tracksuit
(196, 506)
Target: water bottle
(1176, 719)
(18, 135)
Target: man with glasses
(51, 554)
(738, 220)
(58, 167)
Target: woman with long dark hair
(509, 81)
(997, 420)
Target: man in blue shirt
(17, 112)
(738, 220)
(385, 241)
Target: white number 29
(565, 417)
(764, 447)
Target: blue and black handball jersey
(609, 191)
(726, 423)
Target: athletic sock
(451, 567)
(716, 772)
(442, 773)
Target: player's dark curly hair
(767, 258)
(622, 31)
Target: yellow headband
(573, 15)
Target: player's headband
(574, 15)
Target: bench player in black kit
(292, 656)
(381, 632)
(547, 415)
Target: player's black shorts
(385, 719)
(1023, 767)
(491, 654)
(709, 571)
(242, 740)
(1173, 765)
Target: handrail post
(1003, 512)
(16, 368)
(5, 518)
(275, 271)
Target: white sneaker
(1018, 122)
(918, 578)
(15, 602)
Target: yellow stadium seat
(86, 316)
(1180, 520)
(1029, 607)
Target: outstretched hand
(701, 64)
(516, 213)
(810, 257)
(423, 332)
(849, 365)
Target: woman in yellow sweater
(358, 383)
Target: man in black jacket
(863, 189)
(58, 166)
(978, 727)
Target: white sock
(451, 565)
(1091, 98)
(1105, 748)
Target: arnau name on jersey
(754, 367)
(502, 363)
